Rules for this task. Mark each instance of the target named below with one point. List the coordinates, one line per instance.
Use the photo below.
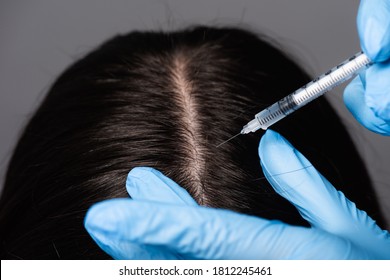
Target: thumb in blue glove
(163, 220)
(373, 22)
(368, 96)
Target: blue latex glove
(163, 221)
(368, 95)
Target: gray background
(40, 38)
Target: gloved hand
(368, 95)
(163, 221)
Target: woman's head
(164, 100)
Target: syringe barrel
(326, 82)
(312, 90)
(276, 112)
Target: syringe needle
(228, 140)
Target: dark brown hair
(164, 100)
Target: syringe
(308, 93)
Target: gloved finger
(377, 90)
(373, 22)
(207, 233)
(109, 240)
(145, 183)
(354, 99)
(123, 250)
(325, 208)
